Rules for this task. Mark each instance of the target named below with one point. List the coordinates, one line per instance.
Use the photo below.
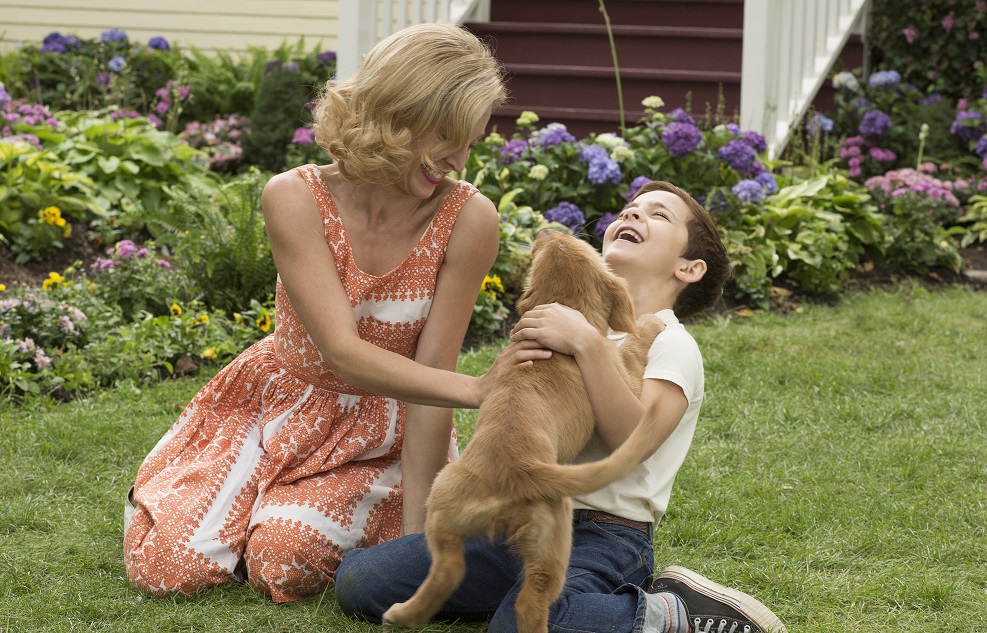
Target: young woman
(326, 435)
(667, 248)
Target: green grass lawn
(839, 474)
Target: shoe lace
(719, 629)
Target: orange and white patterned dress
(277, 468)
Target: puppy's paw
(402, 615)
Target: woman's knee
(288, 560)
(160, 567)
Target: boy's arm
(615, 407)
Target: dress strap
(313, 178)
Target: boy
(667, 248)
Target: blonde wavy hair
(425, 78)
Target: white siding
(231, 25)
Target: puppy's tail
(550, 480)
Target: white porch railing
(789, 47)
(363, 23)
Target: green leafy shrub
(279, 109)
(138, 279)
(976, 218)
(936, 44)
(221, 244)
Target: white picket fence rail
(363, 23)
(789, 47)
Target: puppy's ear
(622, 311)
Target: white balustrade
(789, 48)
(363, 23)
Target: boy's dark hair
(705, 244)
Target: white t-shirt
(643, 494)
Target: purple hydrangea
(602, 168)
(755, 140)
(882, 155)
(159, 44)
(739, 155)
(551, 135)
(875, 123)
(681, 138)
(884, 79)
(981, 149)
(681, 116)
(932, 99)
(513, 151)
(567, 214)
(601, 225)
(748, 191)
(4, 96)
(55, 42)
(117, 64)
(968, 125)
(733, 128)
(325, 57)
(636, 184)
(113, 35)
(103, 79)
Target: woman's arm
(308, 273)
(615, 407)
(470, 254)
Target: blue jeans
(603, 591)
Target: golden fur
(513, 478)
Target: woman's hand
(555, 327)
(519, 353)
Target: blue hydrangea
(602, 168)
(819, 123)
(681, 138)
(552, 134)
(159, 44)
(636, 184)
(512, 151)
(739, 155)
(748, 191)
(884, 79)
(601, 225)
(767, 180)
(117, 64)
(568, 214)
(113, 35)
(875, 123)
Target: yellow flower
(203, 318)
(176, 310)
(492, 285)
(264, 323)
(237, 318)
(52, 215)
(208, 353)
(66, 230)
(54, 279)
(2, 287)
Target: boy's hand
(555, 327)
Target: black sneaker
(713, 608)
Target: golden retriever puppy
(513, 478)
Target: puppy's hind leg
(444, 576)
(544, 546)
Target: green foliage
(278, 111)
(976, 216)
(916, 240)
(138, 280)
(32, 181)
(221, 243)
(936, 44)
(138, 169)
(812, 233)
